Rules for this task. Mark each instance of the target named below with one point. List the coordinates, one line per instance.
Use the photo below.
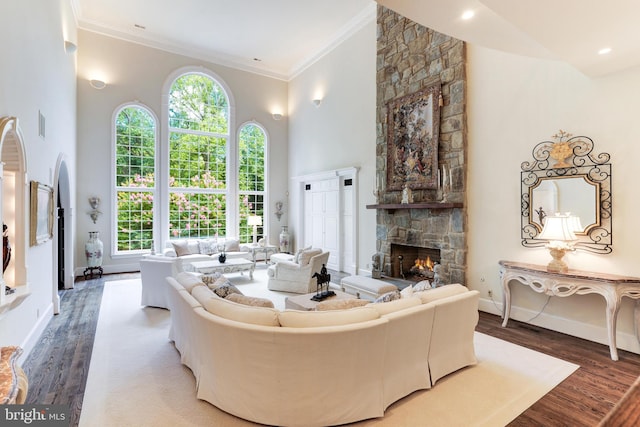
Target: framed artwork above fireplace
(412, 141)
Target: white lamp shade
(558, 228)
(254, 220)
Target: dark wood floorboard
(57, 368)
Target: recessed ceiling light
(468, 14)
(142, 27)
(257, 59)
(604, 51)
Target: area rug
(136, 379)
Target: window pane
(251, 163)
(196, 102)
(197, 214)
(135, 220)
(135, 148)
(197, 161)
(250, 204)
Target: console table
(610, 286)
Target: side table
(267, 249)
(612, 287)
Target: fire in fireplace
(413, 262)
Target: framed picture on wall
(41, 224)
(413, 126)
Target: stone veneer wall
(411, 57)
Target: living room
(512, 103)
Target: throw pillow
(207, 246)
(442, 292)
(231, 245)
(296, 259)
(407, 292)
(340, 304)
(421, 286)
(181, 247)
(252, 301)
(223, 287)
(389, 296)
(397, 305)
(306, 256)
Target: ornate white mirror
(566, 177)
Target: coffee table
(305, 303)
(232, 265)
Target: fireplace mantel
(425, 205)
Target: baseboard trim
(36, 332)
(590, 332)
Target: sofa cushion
(389, 296)
(203, 294)
(247, 300)
(440, 292)
(189, 280)
(181, 247)
(421, 286)
(207, 246)
(241, 313)
(340, 304)
(306, 256)
(223, 287)
(395, 305)
(310, 319)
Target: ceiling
(280, 38)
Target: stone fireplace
(410, 58)
(413, 263)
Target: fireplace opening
(413, 263)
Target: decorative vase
(222, 258)
(93, 250)
(284, 240)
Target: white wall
(513, 103)
(341, 132)
(134, 72)
(37, 75)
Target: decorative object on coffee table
(223, 256)
(323, 279)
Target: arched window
(251, 178)
(135, 178)
(198, 146)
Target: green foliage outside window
(251, 178)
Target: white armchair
(153, 273)
(289, 276)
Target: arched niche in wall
(14, 194)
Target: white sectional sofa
(319, 368)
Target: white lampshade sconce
(559, 230)
(317, 102)
(70, 47)
(255, 221)
(97, 84)
(276, 116)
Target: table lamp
(255, 221)
(558, 230)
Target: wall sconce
(279, 212)
(97, 84)
(255, 221)
(70, 47)
(317, 102)
(94, 202)
(276, 116)
(558, 230)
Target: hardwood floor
(57, 368)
